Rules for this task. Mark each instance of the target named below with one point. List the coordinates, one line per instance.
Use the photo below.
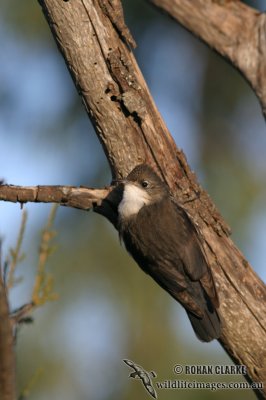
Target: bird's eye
(144, 184)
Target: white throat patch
(134, 198)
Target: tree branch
(235, 30)
(7, 358)
(103, 201)
(69, 196)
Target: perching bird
(162, 239)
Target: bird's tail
(208, 327)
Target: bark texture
(236, 31)
(77, 197)
(7, 361)
(97, 49)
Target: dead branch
(69, 196)
(103, 201)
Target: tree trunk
(7, 358)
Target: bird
(161, 237)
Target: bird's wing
(137, 368)
(193, 256)
(177, 261)
(173, 239)
(191, 251)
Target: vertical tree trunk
(7, 358)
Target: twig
(43, 286)
(15, 255)
(26, 391)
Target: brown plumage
(161, 238)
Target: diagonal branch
(235, 30)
